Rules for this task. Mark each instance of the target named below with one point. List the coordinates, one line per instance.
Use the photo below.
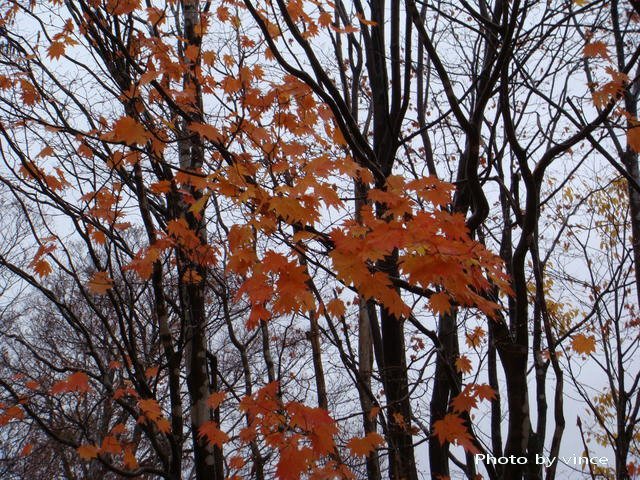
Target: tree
(239, 231)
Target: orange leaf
(213, 434)
(364, 21)
(42, 268)
(364, 446)
(452, 429)
(440, 303)
(464, 402)
(346, 29)
(215, 399)
(129, 131)
(100, 283)
(153, 413)
(583, 344)
(633, 138)
(130, 461)
(485, 392)
(222, 13)
(463, 364)
(87, 452)
(596, 49)
(56, 50)
(335, 307)
(475, 337)
(325, 19)
(110, 444)
(76, 382)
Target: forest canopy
(308, 239)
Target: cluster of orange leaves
(433, 245)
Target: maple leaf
(293, 462)
(212, 433)
(124, 7)
(87, 452)
(207, 131)
(595, 49)
(345, 29)
(46, 152)
(440, 303)
(236, 462)
(325, 19)
(197, 206)
(76, 382)
(129, 459)
(451, 429)
(463, 364)
(633, 138)
(335, 307)
(365, 445)
(318, 425)
(485, 392)
(26, 450)
(42, 268)
(215, 399)
(583, 344)
(129, 131)
(222, 13)
(56, 50)
(151, 411)
(118, 429)
(475, 337)
(464, 401)
(110, 444)
(364, 21)
(100, 283)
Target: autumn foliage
(236, 257)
